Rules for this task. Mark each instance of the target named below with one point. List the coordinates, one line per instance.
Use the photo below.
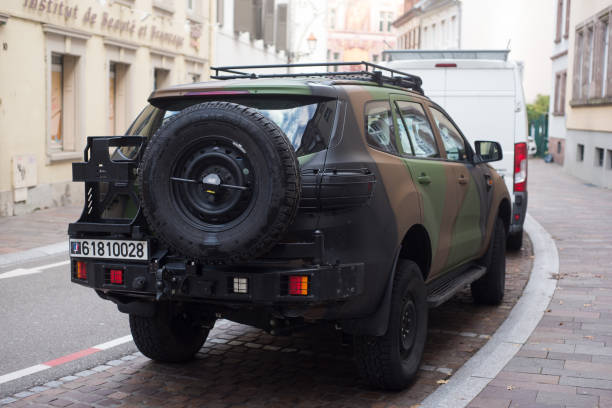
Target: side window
(416, 138)
(454, 144)
(379, 126)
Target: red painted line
(71, 357)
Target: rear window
(308, 123)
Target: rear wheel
(489, 290)
(172, 335)
(391, 361)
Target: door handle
(462, 179)
(424, 179)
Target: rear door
(433, 178)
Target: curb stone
(34, 254)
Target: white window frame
(72, 43)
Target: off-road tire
(515, 241)
(379, 358)
(167, 336)
(272, 175)
(489, 289)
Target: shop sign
(107, 22)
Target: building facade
(556, 115)
(360, 30)
(250, 32)
(588, 145)
(71, 69)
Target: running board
(442, 289)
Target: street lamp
(312, 42)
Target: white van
(483, 93)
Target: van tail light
(520, 167)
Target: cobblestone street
(242, 366)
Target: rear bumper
(519, 210)
(263, 284)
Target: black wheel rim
(408, 326)
(206, 206)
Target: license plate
(109, 249)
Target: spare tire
(219, 183)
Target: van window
(454, 144)
(416, 137)
(379, 126)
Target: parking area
(240, 366)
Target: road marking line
(65, 359)
(71, 357)
(22, 373)
(113, 343)
(29, 271)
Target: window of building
(63, 119)
(386, 21)
(415, 135)
(454, 144)
(580, 153)
(375, 58)
(567, 18)
(281, 27)
(559, 20)
(161, 78)
(379, 126)
(592, 67)
(332, 19)
(194, 77)
(559, 147)
(605, 29)
(190, 5)
(609, 159)
(559, 96)
(599, 157)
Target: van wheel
(515, 241)
(391, 361)
(489, 289)
(170, 336)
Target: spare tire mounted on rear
(219, 182)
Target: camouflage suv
(282, 200)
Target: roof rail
(394, 55)
(366, 71)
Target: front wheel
(391, 361)
(170, 336)
(489, 289)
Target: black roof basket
(366, 72)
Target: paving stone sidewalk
(43, 227)
(567, 361)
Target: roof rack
(366, 72)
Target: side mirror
(487, 151)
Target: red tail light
(520, 167)
(116, 276)
(298, 285)
(446, 65)
(81, 270)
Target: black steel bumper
(263, 284)
(519, 210)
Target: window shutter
(281, 28)
(243, 16)
(268, 27)
(576, 82)
(559, 20)
(220, 14)
(257, 32)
